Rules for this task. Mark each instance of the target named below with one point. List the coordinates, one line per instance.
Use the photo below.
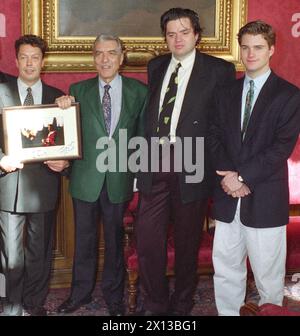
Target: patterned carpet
(204, 299)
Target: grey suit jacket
(35, 187)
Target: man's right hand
(10, 164)
(64, 102)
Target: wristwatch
(240, 178)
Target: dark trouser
(154, 216)
(86, 248)
(26, 258)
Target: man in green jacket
(111, 109)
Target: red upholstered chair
(128, 220)
(131, 257)
(267, 309)
(293, 228)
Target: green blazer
(86, 181)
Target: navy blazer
(261, 159)
(208, 72)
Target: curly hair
(33, 40)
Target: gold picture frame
(73, 53)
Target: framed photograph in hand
(42, 132)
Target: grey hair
(107, 37)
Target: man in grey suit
(28, 194)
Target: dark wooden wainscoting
(61, 275)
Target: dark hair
(33, 40)
(179, 13)
(258, 28)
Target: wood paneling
(61, 275)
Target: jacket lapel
(158, 77)
(10, 95)
(264, 99)
(94, 101)
(196, 83)
(126, 106)
(234, 117)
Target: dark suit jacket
(4, 77)
(35, 187)
(208, 72)
(261, 159)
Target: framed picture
(70, 27)
(42, 132)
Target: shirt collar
(24, 86)
(186, 62)
(258, 81)
(113, 84)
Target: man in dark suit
(28, 193)
(254, 130)
(111, 108)
(177, 195)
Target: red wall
(286, 61)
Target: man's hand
(57, 165)
(10, 164)
(242, 192)
(64, 102)
(230, 182)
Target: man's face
(255, 54)
(29, 62)
(180, 37)
(108, 59)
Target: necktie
(106, 105)
(248, 107)
(165, 115)
(29, 98)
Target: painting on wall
(70, 27)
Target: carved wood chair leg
(132, 290)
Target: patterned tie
(29, 98)
(248, 107)
(106, 104)
(166, 110)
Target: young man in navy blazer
(253, 133)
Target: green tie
(248, 107)
(165, 115)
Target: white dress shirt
(115, 93)
(184, 74)
(37, 91)
(258, 84)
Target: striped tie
(165, 115)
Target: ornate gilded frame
(73, 53)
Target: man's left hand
(230, 182)
(57, 165)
